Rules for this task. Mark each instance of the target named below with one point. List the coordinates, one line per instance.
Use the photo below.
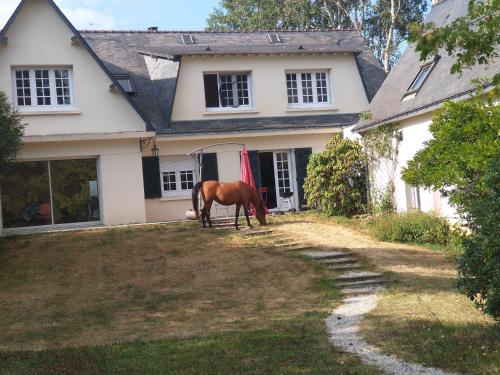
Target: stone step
(360, 291)
(256, 233)
(361, 283)
(318, 255)
(288, 244)
(345, 267)
(358, 276)
(297, 248)
(343, 260)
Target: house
(409, 97)
(113, 117)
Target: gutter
(370, 125)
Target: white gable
(40, 37)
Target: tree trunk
(389, 45)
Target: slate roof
(134, 53)
(387, 105)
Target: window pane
(42, 87)
(242, 87)
(23, 87)
(226, 90)
(169, 183)
(187, 180)
(292, 90)
(321, 88)
(26, 195)
(75, 191)
(62, 87)
(307, 90)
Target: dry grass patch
(97, 287)
(422, 317)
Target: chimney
(153, 28)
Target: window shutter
(253, 156)
(210, 170)
(301, 161)
(211, 90)
(151, 177)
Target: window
(178, 175)
(187, 39)
(126, 84)
(227, 90)
(50, 192)
(43, 89)
(274, 38)
(305, 89)
(169, 181)
(421, 77)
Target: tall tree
(11, 131)
(384, 24)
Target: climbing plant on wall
(381, 146)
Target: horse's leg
(203, 216)
(208, 207)
(236, 224)
(246, 209)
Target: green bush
(413, 227)
(336, 179)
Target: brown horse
(227, 194)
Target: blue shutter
(151, 177)
(301, 161)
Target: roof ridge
(210, 32)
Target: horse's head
(260, 212)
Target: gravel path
(343, 332)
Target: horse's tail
(196, 191)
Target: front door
(283, 178)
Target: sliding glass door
(50, 192)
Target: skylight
(126, 85)
(187, 39)
(274, 38)
(421, 77)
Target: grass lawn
(421, 317)
(163, 299)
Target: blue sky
(129, 14)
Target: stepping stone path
(360, 288)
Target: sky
(128, 14)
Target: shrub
(336, 178)
(413, 227)
(11, 131)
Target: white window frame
(34, 107)
(314, 103)
(220, 108)
(177, 164)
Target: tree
(11, 131)
(384, 24)
(336, 178)
(473, 39)
(462, 161)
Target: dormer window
(43, 89)
(421, 77)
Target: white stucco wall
(39, 37)
(228, 160)
(415, 131)
(268, 84)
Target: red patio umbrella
(246, 173)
